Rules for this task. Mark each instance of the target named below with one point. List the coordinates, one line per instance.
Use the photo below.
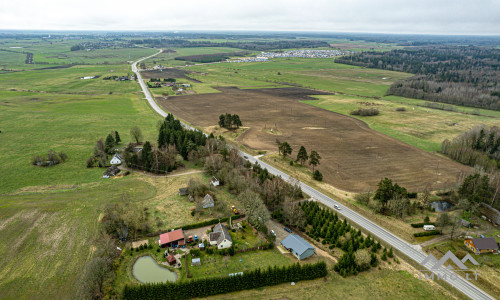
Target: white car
(336, 206)
(273, 233)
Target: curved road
(466, 287)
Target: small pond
(442, 205)
(146, 270)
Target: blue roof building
(298, 246)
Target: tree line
(479, 146)
(459, 75)
(220, 285)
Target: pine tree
(302, 155)
(117, 138)
(109, 144)
(314, 159)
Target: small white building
(116, 160)
(214, 181)
(220, 236)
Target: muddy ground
(354, 157)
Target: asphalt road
(466, 287)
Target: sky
(378, 16)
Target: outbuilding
(208, 201)
(298, 246)
(171, 259)
(183, 191)
(196, 262)
(174, 238)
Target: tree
(117, 138)
(255, 209)
(362, 258)
(136, 134)
(109, 144)
(314, 159)
(222, 120)
(443, 220)
(236, 121)
(286, 149)
(318, 176)
(147, 156)
(278, 143)
(302, 155)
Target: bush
(427, 219)
(318, 176)
(158, 250)
(427, 233)
(420, 225)
(365, 112)
(412, 195)
(401, 109)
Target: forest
(479, 146)
(459, 75)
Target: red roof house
(172, 238)
(171, 259)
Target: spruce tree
(302, 155)
(109, 144)
(117, 138)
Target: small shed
(183, 191)
(465, 223)
(196, 262)
(201, 246)
(208, 201)
(214, 181)
(111, 171)
(171, 259)
(190, 198)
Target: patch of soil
(354, 157)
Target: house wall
(306, 254)
(225, 244)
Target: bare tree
(136, 134)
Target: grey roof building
(220, 236)
(298, 246)
(208, 201)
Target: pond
(442, 205)
(146, 270)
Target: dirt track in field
(354, 157)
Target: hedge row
(220, 285)
(420, 225)
(427, 233)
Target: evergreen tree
(146, 156)
(109, 144)
(236, 121)
(117, 138)
(314, 159)
(302, 155)
(286, 149)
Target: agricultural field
(417, 125)
(355, 157)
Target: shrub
(426, 233)
(158, 250)
(401, 109)
(318, 176)
(427, 219)
(384, 256)
(365, 112)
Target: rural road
(414, 253)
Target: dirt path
(435, 240)
(159, 175)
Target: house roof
(196, 260)
(183, 191)
(171, 236)
(170, 258)
(223, 233)
(208, 201)
(295, 242)
(485, 243)
(214, 179)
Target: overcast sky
(385, 16)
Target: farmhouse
(116, 160)
(174, 238)
(220, 236)
(298, 246)
(183, 191)
(208, 201)
(214, 181)
(482, 245)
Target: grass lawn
(374, 284)
(47, 236)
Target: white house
(220, 236)
(116, 160)
(214, 181)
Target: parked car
(273, 233)
(288, 230)
(245, 157)
(336, 206)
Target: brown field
(355, 157)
